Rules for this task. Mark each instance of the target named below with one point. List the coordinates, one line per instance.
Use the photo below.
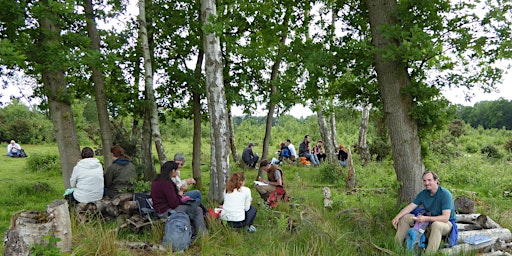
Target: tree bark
(58, 100)
(99, 84)
(146, 154)
(362, 145)
(217, 110)
(325, 133)
(392, 77)
(196, 140)
(351, 172)
(273, 92)
(334, 131)
(149, 92)
(232, 142)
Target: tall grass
(359, 222)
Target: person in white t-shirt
(237, 209)
(13, 149)
(291, 147)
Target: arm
(248, 199)
(403, 212)
(445, 217)
(73, 179)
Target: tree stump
(327, 197)
(31, 227)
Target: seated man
(274, 179)
(438, 202)
(13, 149)
(283, 155)
(305, 151)
(291, 147)
(248, 156)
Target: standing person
(438, 202)
(319, 151)
(291, 147)
(237, 209)
(119, 175)
(87, 178)
(342, 156)
(274, 179)
(166, 197)
(305, 151)
(13, 149)
(248, 156)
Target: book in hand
(477, 239)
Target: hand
(395, 222)
(183, 187)
(190, 181)
(260, 179)
(420, 219)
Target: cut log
(32, 227)
(484, 221)
(58, 211)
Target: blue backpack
(415, 241)
(178, 231)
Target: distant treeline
(488, 114)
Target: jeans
(195, 194)
(250, 215)
(343, 163)
(312, 158)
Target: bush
(508, 146)
(381, 148)
(471, 148)
(331, 173)
(43, 163)
(491, 151)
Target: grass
(358, 224)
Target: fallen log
(479, 219)
(496, 235)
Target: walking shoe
(251, 229)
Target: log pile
(470, 225)
(108, 208)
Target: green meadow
(359, 222)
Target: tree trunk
(273, 92)
(334, 131)
(351, 172)
(146, 154)
(196, 140)
(149, 92)
(325, 133)
(59, 103)
(99, 85)
(392, 77)
(217, 111)
(232, 142)
(363, 149)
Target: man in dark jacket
(248, 156)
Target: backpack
(178, 231)
(145, 205)
(274, 197)
(22, 153)
(416, 240)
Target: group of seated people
(89, 183)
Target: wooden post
(58, 211)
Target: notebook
(477, 239)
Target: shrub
(381, 148)
(43, 163)
(456, 128)
(37, 188)
(331, 173)
(471, 148)
(508, 146)
(491, 151)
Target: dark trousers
(250, 215)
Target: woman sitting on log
(87, 179)
(166, 197)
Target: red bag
(276, 196)
(214, 213)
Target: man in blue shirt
(438, 201)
